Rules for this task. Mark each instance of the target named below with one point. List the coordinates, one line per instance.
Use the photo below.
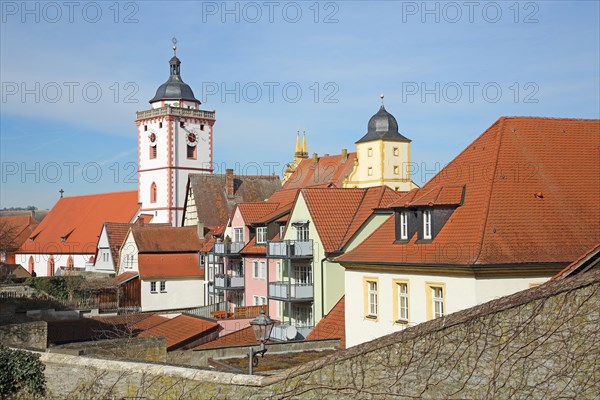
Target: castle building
(175, 139)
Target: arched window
(153, 193)
(50, 269)
(31, 265)
(191, 152)
(70, 263)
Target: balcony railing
(176, 111)
(291, 291)
(290, 249)
(229, 248)
(284, 332)
(223, 281)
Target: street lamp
(262, 326)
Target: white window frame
(426, 224)
(262, 272)
(281, 231)
(255, 301)
(303, 274)
(255, 270)
(370, 171)
(153, 287)
(238, 235)
(263, 300)
(403, 225)
(261, 235)
(163, 286)
(372, 298)
(437, 297)
(302, 233)
(403, 304)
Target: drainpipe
(322, 288)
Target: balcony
(291, 291)
(228, 282)
(290, 249)
(285, 332)
(228, 249)
(176, 111)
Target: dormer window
(261, 235)
(403, 225)
(427, 224)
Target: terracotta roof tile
(181, 330)
(169, 265)
(153, 238)
(19, 227)
(74, 223)
(253, 212)
(330, 171)
(214, 207)
(253, 248)
(149, 322)
(523, 201)
(332, 326)
(116, 233)
(588, 260)
(124, 277)
(94, 328)
(339, 213)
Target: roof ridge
(352, 219)
(500, 128)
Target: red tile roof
(253, 248)
(338, 213)
(116, 233)
(332, 326)
(74, 223)
(169, 265)
(19, 227)
(253, 212)
(588, 260)
(181, 330)
(329, 171)
(160, 238)
(241, 337)
(433, 196)
(149, 322)
(124, 277)
(523, 199)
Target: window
(153, 193)
(370, 152)
(302, 233)
(278, 272)
(261, 234)
(255, 301)
(105, 256)
(191, 152)
(303, 315)
(436, 306)
(160, 125)
(303, 274)
(427, 224)
(370, 171)
(263, 270)
(396, 151)
(396, 170)
(163, 286)
(182, 124)
(153, 287)
(370, 297)
(255, 271)
(201, 127)
(400, 291)
(403, 225)
(31, 264)
(281, 231)
(238, 234)
(145, 128)
(70, 263)
(50, 266)
(153, 152)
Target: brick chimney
(200, 230)
(229, 182)
(344, 155)
(315, 159)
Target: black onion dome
(174, 88)
(383, 125)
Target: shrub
(20, 371)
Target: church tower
(382, 155)
(175, 138)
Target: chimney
(315, 159)
(344, 155)
(200, 230)
(229, 182)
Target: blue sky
(448, 71)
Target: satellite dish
(291, 332)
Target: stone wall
(141, 349)
(31, 335)
(537, 344)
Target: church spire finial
(174, 41)
(382, 96)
